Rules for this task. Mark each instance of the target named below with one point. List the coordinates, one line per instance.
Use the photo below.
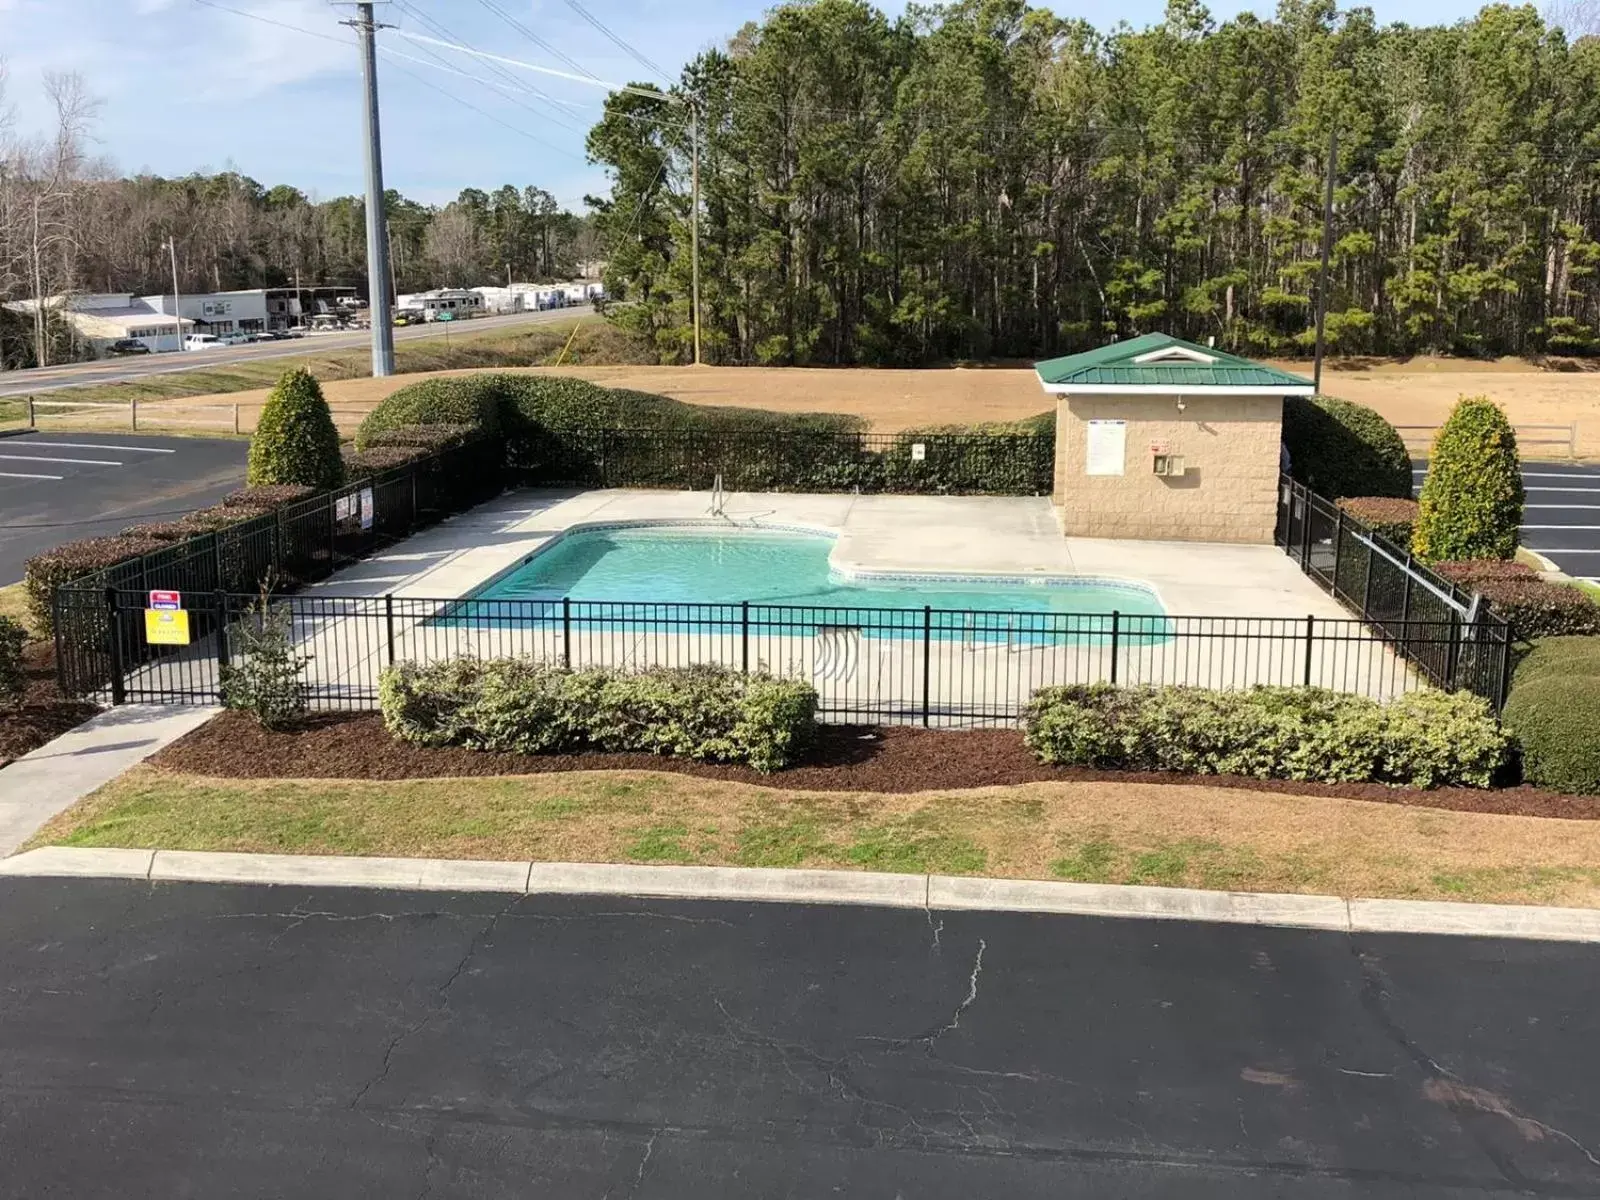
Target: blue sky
(188, 86)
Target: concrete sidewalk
(934, 893)
(57, 775)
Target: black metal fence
(928, 666)
(1396, 595)
(788, 460)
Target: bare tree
(1578, 18)
(454, 245)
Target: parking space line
(1547, 551)
(1561, 526)
(1561, 475)
(80, 462)
(99, 446)
(20, 475)
(1547, 488)
(1564, 507)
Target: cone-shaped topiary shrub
(295, 440)
(1471, 502)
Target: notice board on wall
(1106, 448)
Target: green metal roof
(1184, 365)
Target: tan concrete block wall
(1229, 492)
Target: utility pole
(694, 219)
(366, 26)
(177, 308)
(1327, 238)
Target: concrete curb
(768, 885)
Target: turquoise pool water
(657, 567)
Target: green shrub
(474, 400)
(1554, 719)
(430, 438)
(1387, 516)
(1537, 609)
(295, 441)
(266, 676)
(360, 464)
(1342, 449)
(70, 561)
(1559, 656)
(986, 460)
(13, 679)
(526, 707)
(1471, 502)
(1426, 739)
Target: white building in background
(101, 318)
(219, 312)
(503, 299)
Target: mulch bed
(44, 713)
(847, 759)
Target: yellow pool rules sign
(166, 626)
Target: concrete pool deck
(1016, 536)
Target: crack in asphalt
(441, 1002)
(954, 1023)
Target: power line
(429, 84)
(536, 39)
(650, 93)
(443, 31)
(619, 42)
(239, 12)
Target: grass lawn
(1592, 588)
(519, 346)
(1090, 832)
(14, 604)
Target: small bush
(1342, 449)
(163, 531)
(1477, 571)
(1387, 516)
(268, 495)
(1554, 719)
(1537, 609)
(46, 572)
(526, 707)
(1559, 656)
(1471, 502)
(1426, 739)
(295, 441)
(13, 679)
(266, 675)
(423, 437)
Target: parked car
(236, 338)
(201, 341)
(270, 335)
(127, 346)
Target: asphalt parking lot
(59, 487)
(1562, 517)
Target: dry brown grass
(1409, 392)
(1096, 832)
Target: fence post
(1366, 585)
(1311, 634)
(1453, 652)
(927, 663)
(134, 411)
(744, 634)
(566, 632)
(216, 559)
(1338, 547)
(1305, 531)
(1116, 640)
(333, 537)
(236, 420)
(1503, 684)
(221, 598)
(119, 686)
(388, 623)
(33, 421)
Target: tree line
(985, 178)
(71, 224)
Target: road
(197, 1040)
(123, 370)
(59, 487)
(1561, 519)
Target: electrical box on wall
(1168, 466)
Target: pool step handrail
(719, 497)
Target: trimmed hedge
(1537, 609)
(268, 495)
(473, 401)
(1423, 739)
(1475, 571)
(1387, 516)
(73, 560)
(1341, 449)
(522, 706)
(295, 441)
(1558, 656)
(432, 438)
(1554, 719)
(361, 464)
(1471, 502)
(13, 679)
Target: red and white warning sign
(166, 600)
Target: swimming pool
(634, 574)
